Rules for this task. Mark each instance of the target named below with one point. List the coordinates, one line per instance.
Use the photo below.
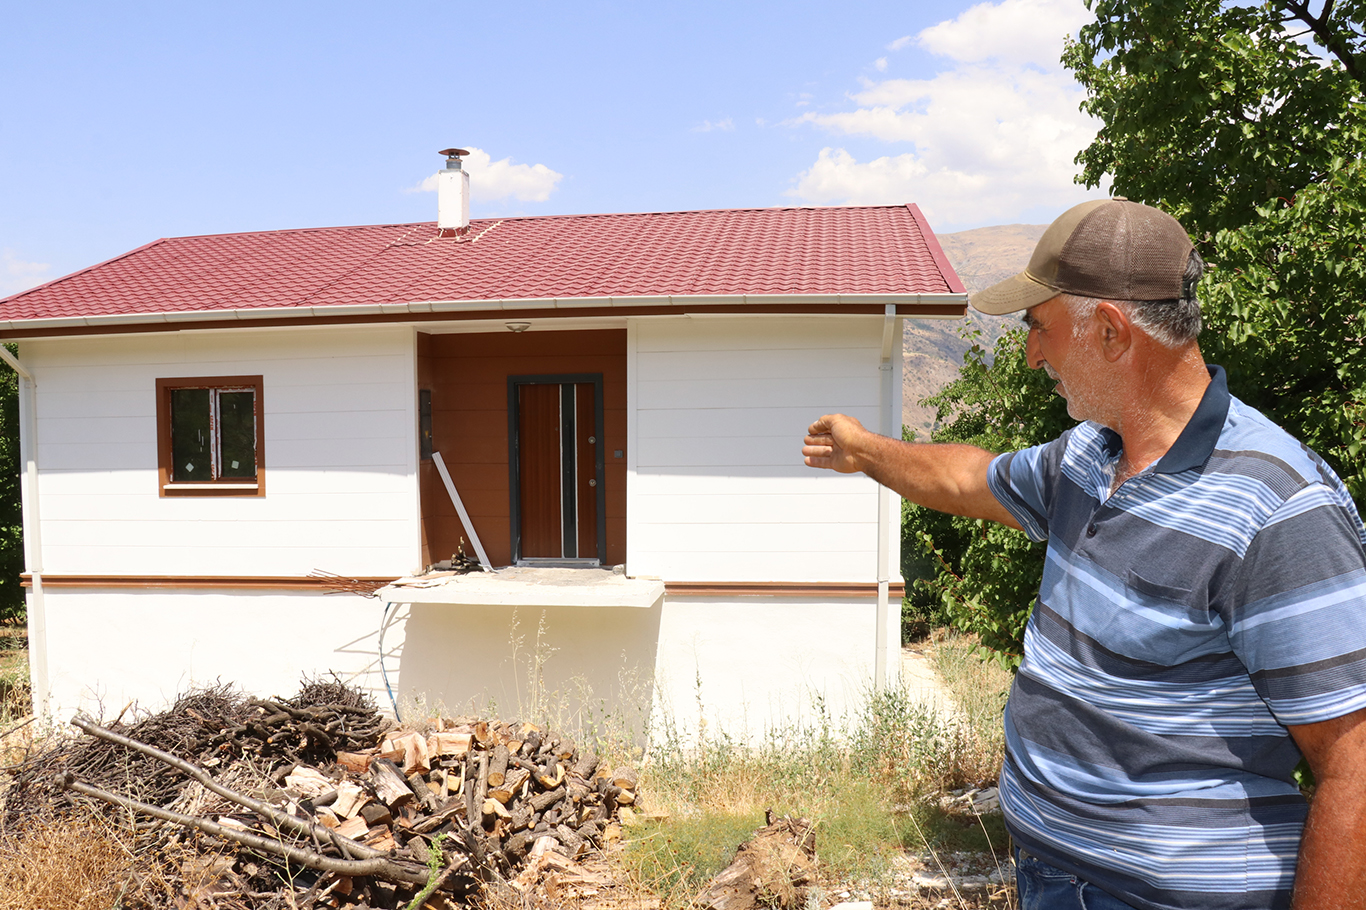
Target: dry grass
(74, 864)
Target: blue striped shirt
(1183, 623)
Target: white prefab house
(230, 441)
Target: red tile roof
(846, 251)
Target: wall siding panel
(340, 455)
(718, 490)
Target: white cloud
(990, 136)
(18, 275)
(707, 126)
(902, 42)
(880, 64)
(1019, 32)
(500, 179)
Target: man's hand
(949, 478)
(832, 442)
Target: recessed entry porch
(531, 426)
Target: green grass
(870, 783)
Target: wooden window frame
(514, 462)
(229, 487)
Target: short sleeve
(1297, 614)
(1022, 481)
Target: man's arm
(1332, 867)
(949, 478)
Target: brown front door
(557, 466)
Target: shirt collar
(1200, 435)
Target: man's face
(1069, 352)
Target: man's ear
(1116, 332)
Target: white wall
(717, 490)
(340, 455)
(111, 647)
(745, 666)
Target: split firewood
(390, 785)
(498, 765)
(355, 762)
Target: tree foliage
(11, 522)
(977, 575)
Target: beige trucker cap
(1110, 249)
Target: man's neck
(1164, 389)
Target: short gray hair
(1171, 323)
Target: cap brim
(1019, 292)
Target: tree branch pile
(313, 802)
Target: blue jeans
(1045, 887)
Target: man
(1202, 616)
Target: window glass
(191, 435)
(237, 432)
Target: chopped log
(550, 776)
(481, 779)
(390, 786)
(775, 868)
(511, 784)
(455, 745)
(350, 796)
(376, 814)
(625, 778)
(494, 808)
(418, 784)
(566, 749)
(586, 765)
(566, 835)
(542, 801)
(353, 828)
(355, 762)
(498, 765)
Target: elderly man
(1202, 617)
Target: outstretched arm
(949, 478)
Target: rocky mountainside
(933, 348)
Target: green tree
(976, 575)
(11, 521)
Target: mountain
(932, 348)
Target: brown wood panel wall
(467, 375)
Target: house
(229, 440)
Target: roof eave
(175, 319)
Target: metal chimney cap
(453, 153)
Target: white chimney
(452, 195)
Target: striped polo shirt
(1182, 624)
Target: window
(556, 469)
(210, 439)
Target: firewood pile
(315, 802)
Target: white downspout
(886, 664)
(33, 545)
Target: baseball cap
(1111, 249)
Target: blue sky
(127, 122)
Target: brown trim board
(780, 589)
(276, 582)
(309, 583)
